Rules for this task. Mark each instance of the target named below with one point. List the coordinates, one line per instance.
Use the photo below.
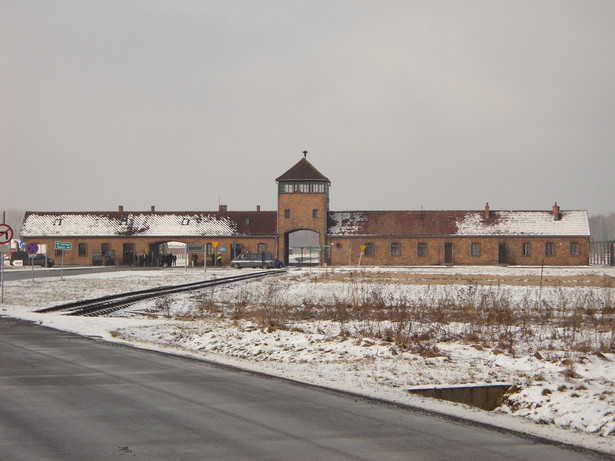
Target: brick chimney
(222, 208)
(556, 213)
(258, 208)
(153, 209)
(120, 209)
(487, 210)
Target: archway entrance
(302, 247)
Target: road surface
(65, 397)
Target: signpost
(6, 234)
(215, 245)
(363, 247)
(32, 249)
(63, 246)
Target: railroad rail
(111, 303)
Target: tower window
(315, 213)
(287, 213)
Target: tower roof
(302, 170)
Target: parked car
(249, 259)
(38, 259)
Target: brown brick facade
(148, 246)
(301, 212)
(346, 251)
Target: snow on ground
(565, 395)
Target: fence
(601, 253)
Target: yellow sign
(363, 247)
(215, 244)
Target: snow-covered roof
(459, 223)
(154, 224)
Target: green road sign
(64, 246)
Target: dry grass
(480, 314)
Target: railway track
(111, 303)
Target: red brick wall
(301, 206)
(346, 251)
(141, 245)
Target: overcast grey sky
(401, 104)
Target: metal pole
(62, 268)
(2, 278)
(205, 257)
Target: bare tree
(602, 227)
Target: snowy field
(381, 331)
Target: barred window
(395, 249)
(476, 249)
(262, 248)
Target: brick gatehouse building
(304, 231)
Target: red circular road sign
(32, 248)
(6, 234)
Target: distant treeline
(602, 227)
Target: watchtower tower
(303, 203)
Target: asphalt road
(26, 273)
(65, 397)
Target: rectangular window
(422, 249)
(314, 213)
(574, 249)
(287, 213)
(58, 252)
(317, 187)
(83, 249)
(287, 188)
(526, 249)
(369, 249)
(210, 249)
(476, 249)
(302, 187)
(395, 249)
(262, 247)
(549, 249)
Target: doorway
(129, 253)
(448, 253)
(502, 253)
